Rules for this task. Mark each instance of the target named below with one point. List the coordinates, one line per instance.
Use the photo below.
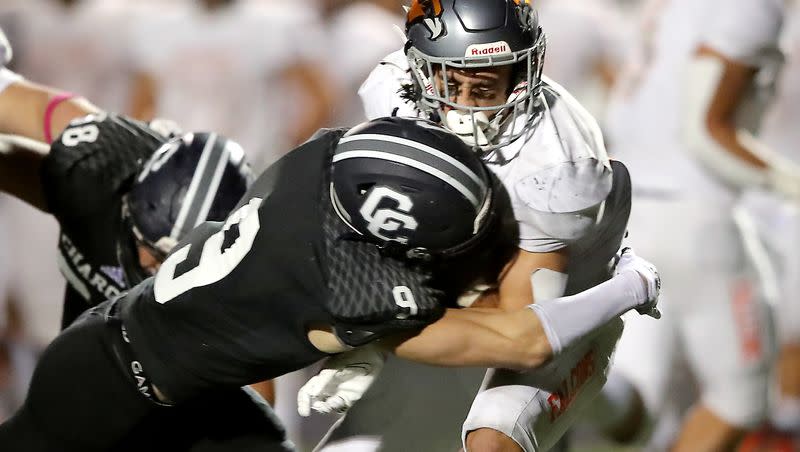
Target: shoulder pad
(566, 187)
(92, 159)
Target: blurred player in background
(777, 221)
(358, 33)
(246, 70)
(683, 121)
(586, 46)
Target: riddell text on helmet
(492, 48)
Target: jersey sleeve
(744, 30)
(560, 205)
(564, 175)
(91, 162)
(381, 92)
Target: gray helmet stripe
(213, 186)
(475, 198)
(419, 146)
(415, 154)
(198, 188)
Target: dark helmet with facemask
(191, 179)
(411, 185)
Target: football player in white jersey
(476, 67)
(237, 67)
(684, 125)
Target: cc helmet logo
(387, 220)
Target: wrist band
(48, 113)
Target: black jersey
(89, 167)
(233, 302)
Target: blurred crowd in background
(267, 73)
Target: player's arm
(718, 80)
(516, 289)
(527, 337)
(481, 337)
(320, 99)
(35, 112)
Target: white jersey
(645, 121)
(222, 69)
(553, 176)
(562, 167)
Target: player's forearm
(480, 337)
(715, 88)
(38, 112)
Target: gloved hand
(627, 260)
(342, 382)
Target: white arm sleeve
(567, 319)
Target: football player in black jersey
(345, 241)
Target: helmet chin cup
(474, 128)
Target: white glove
(342, 382)
(627, 260)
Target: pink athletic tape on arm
(48, 113)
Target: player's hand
(627, 260)
(342, 382)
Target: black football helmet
(188, 180)
(469, 34)
(410, 185)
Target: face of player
(148, 259)
(479, 87)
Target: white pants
(713, 318)
(416, 407)
(536, 408)
(777, 225)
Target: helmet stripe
(199, 186)
(474, 198)
(415, 154)
(419, 146)
(213, 186)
